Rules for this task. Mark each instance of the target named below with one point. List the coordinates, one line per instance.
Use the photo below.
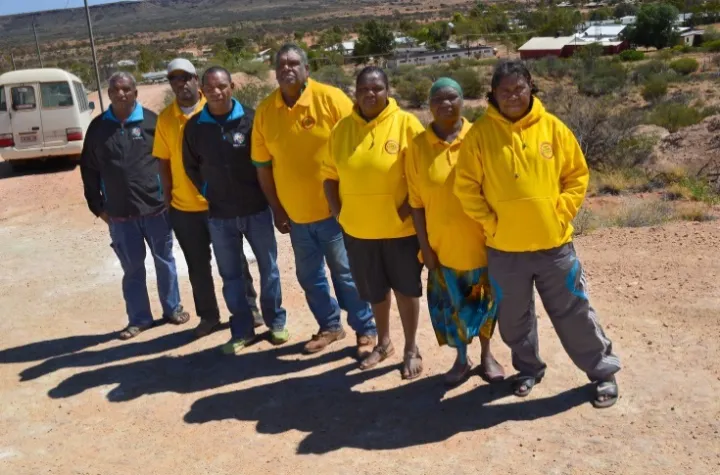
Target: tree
(624, 9)
(600, 14)
(147, 59)
(374, 38)
(235, 44)
(654, 26)
(551, 21)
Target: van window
(23, 98)
(56, 94)
(3, 102)
(81, 96)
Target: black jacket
(217, 160)
(119, 173)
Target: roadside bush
(415, 93)
(631, 55)
(640, 213)
(605, 78)
(712, 46)
(551, 67)
(472, 84)
(685, 66)
(655, 88)
(335, 76)
(644, 71)
(673, 116)
(251, 94)
(473, 113)
(253, 68)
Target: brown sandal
(179, 317)
(408, 360)
(132, 331)
(377, 356)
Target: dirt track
(76, 401)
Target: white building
(435, 57)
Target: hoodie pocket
(527, 225)
(370, 216)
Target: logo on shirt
(308, 123)
(392, 147)
(136, 133)
(238, 139)
(546, 150)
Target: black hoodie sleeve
(191, 160)
(90, 172)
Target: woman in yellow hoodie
(522, 175)
(364, 181)
(452, 245)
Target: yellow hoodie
(524, 182)
(368, 159)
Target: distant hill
(126, 18)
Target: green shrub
(674, 116)
(415, 93)
(251, 94)
(253, 68)
(713, 46)
(551, 67)
(473, 113)
(605, 78)
(335, 76)
(471, 82)
(685, 66)
(642, 72)
(655, 88)
(640, 213)
(632, 55)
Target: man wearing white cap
(188, 208)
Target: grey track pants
(560, 281)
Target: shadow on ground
(36, 167)
(51, 348)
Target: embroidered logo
(392, 147)
(308, 123)
(136, 133)
(546, 150)
(238, 139)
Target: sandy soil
(77, 401)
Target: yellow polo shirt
(293, 140)
(367, 158)
(458, 240)
(168, 145)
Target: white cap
(181, 64)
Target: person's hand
(430, 259)
(104, 216)
(282, 221)
(404, 211)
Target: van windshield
(56, 94)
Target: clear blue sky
(11, 7)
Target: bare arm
(166, 180)
(332, 193)
(267, 183)
(429, 256)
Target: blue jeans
(315, 244)
(227, 241)
(128, 240)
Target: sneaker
(280, 337)
(365, 345)
(206, 327)
(235, 346)
(321, 341)
(258, 320)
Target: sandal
(524, 381)
(458, 374)
(132, 331)
(606, 393)
(178, 317)
(377, 356)
(408, 366)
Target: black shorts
(378, 265)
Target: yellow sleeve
(574, 177)
(468, 188)
(342, 105)
(328, 170)
(261, 156)
(415, 126)
(161, 147)
(412, 158)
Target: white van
(44, 113)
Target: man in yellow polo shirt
(188, 208)
(289, 141)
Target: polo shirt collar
(198, 107)
(435, 140)
(305, 97)
(137, 114)
(236, 113)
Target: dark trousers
(193, 235)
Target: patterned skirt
(461, 305)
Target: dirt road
(77, 401)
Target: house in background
(542, 46)
(691, 37)
(435, 57)
(565, 46)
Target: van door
(25, 115)
(5, 125)
(58, 111)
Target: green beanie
(442, 83)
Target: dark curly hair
(373, 70)
(510, 68)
